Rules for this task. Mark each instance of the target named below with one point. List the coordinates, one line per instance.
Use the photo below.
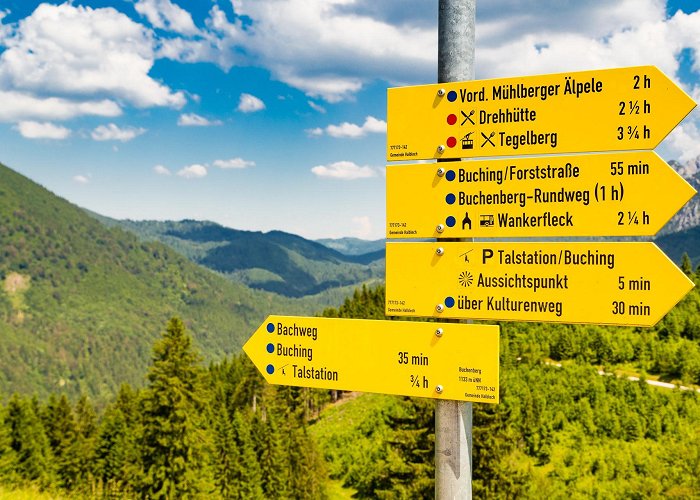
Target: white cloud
(329, 87)
(328, 49)
(42, 130)
(317, 107)
(79, 61)
(331, 49)
(344, 170)
(237, 163)
(81, 179)
(314, 132)
(249, 104)
(194, 171)
(586, 35)
(15, 105)
(684, 142)
(363, 227)
(506, 20)
(346, 129)
(165, 15)
(112, 132)
(194, 120)
(161, 170)
(351, 130)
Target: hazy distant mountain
(275, 261)
(353, 246)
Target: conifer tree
(117, 454)
(237, 471)
(304, 463)
(686, 264)
(8, 457)
(175, 441)
(59, 423)
(81, 453)
(29, 442)
(226, 454)
(270, 449)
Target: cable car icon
(467, 141)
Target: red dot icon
(451, 142)
(451, 119)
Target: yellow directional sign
(430, 360)
(602, 110)
(591, 282)
(614, 194)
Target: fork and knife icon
(468, 117)
(488, 139)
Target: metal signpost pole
(453, 419)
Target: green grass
(27, 494)
(336, 491)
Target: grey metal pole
(456, 20)
(453, 419)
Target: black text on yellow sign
(601, 283)
(611, 194)
(603, 110)
(431, 360)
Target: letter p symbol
(486, 254)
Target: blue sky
(270, 114)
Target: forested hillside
(80, 304)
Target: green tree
(175, 441)
(686, 264)
(307, 475)
(270, 449)
(8, 457)
(81, 453)
(60, 426)
(117, 455)
(237, 470)
(411, 474)
(29, 442)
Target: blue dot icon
(270, 327)
(452, 96)
(450, 221)
(270, 369)
(449, 301)
(270, 348)
(450, 199)
(450, 175)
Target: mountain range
(275, 261)
(83, 297)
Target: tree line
(192, 431)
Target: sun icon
(465, 279)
